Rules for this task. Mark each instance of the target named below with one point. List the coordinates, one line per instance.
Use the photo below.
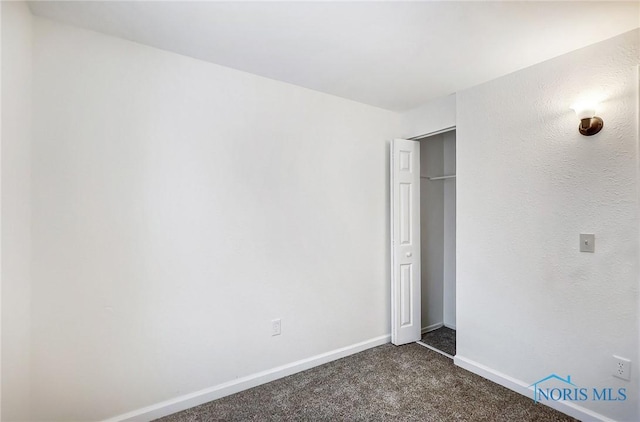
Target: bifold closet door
(405, 241)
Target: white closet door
(405, 241)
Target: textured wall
(178, 207)
(16, 209)
(529, 303)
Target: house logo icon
(539, 392)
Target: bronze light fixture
(590, 124)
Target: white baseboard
(431, 327)
(453, 327)
(187, 401)
(521, 387)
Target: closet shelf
(449, 176)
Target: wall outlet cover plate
(587, 242)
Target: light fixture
(590, 124)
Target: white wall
(449, 229)
(15, 209)
(178, 207)
(529, 303)
(431, 231)
(434, 116)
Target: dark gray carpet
(443, 339)
(386, 383)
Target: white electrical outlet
(276, 327)
(621, 368)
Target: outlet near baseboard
(621, 368)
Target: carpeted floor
(443, 339)
(386, 383)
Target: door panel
(405, 213)
(405, 294)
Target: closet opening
(438, 242)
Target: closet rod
(449, 176)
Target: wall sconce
(590, 124)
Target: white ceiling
(394, 55)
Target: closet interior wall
(437, 222)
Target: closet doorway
(423, 230)
(438, 242)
